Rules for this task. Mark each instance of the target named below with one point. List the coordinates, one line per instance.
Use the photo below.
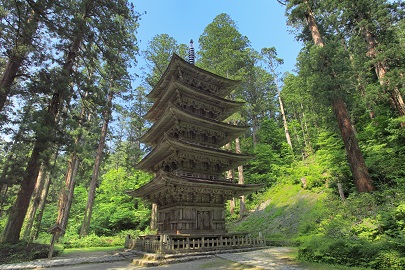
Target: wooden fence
(176, 244)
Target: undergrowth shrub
(366, 230)
(92, 240)
(351, 252)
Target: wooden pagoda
(189, 187)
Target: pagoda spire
(191, 56)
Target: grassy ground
(86, 251)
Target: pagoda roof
(174, 114)
(177, 64)
(170, 146)
(174, 88)
(165, 182)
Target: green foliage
(383, 139)
(326, 71)
(115, 210)
(282, 210)
(272, 155)
(366, 230)
(157, 55)
(393, 224)
(351, 252)
(92, 240)
(223, 50)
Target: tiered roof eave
(172, 86)
(176, 62)
(164, 181)
(169, 146)
(173, 115)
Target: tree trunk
(381, 68)
(96, 169)
(241, 180)
(310, 18)
(341, 192)
(41, 207)
(287, 133)
(67, 191)
(285, 124)
(3, 197)
(254, 132)
(17, 56)
(230, 175)
(153, 220)
(12, 230)
(355, 158)
(358, 167)
(36, 199)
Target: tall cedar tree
(20, 40)
(158, 54)
(270, 56)
(85, 27)
(374, 20)
(223, 50)
(15, 220)
(361, 177)
(96, 169)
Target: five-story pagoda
(189, 187)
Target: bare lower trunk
(341, 193)
(232, 206)
(11, 232)
(287, 133)
(358, 167)
(96, 169)
(37, 225)
(153, 220)
(36, 199)
(66, 194)
(231, 177)
(241, 179)
(67, 191)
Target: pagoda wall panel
(191, 219)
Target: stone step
(152, 259)
(148, 262)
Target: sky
(262, 21)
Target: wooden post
(55, 231)
(341, 193)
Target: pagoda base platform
(171, 244)
(154, 259)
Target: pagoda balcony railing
(201, 176)
(176, 244)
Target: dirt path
(269, 258)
